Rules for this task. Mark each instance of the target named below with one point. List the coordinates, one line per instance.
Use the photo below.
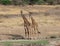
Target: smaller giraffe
(34, 24)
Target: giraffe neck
(33, 21)
(25, 20)
(23, 16)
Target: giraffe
(34, 25)
(27, 25)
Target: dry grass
(49, 23)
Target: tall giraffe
(27, 25)
(34, 24)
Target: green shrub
(26, 1)
(34, 1)
(5, 2)
(50, 2)
(16, 2)
(40, 2)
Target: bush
(26, 1)
(34, 1)
(5, 2)
(17, 2)
(50, 2)
(40, 2)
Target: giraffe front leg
(25, 32)
(28, 32)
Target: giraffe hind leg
(38, 33)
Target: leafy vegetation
(26, 42)
(7, 44)
(50, 2)
(5, 2)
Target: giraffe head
(30, 13)
(21, 12)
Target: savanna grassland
(11, 22)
